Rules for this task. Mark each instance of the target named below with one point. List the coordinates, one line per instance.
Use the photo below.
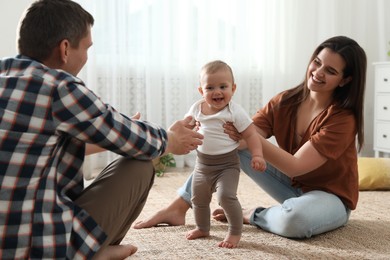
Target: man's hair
(214, 66)
(48, 22)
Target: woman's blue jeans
(300, 215)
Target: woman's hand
(231, 130)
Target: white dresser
(382, 109)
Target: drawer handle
(385, 80)
(384, 108)
(384, 136)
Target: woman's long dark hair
(351, 95)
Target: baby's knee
(226, 200)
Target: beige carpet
(367, 235)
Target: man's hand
(182, 138)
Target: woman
(313, 170)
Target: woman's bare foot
(230, 241)
(115, 252)
(219, 215)
(197, 233)
(173, 215)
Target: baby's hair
(214, 66)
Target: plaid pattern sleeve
(46, 117)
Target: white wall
(10, 13)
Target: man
(49, 120)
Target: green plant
(160, 164)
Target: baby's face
(217, 89)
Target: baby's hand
(258, 163)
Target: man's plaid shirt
(46, 117)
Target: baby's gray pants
(220, 174)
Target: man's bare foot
(230, 241)
(197, 233)
(115, 252)
(173, 215)
(219, 215)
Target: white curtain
(147, 54)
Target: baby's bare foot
(197, 233)
(230, 241)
